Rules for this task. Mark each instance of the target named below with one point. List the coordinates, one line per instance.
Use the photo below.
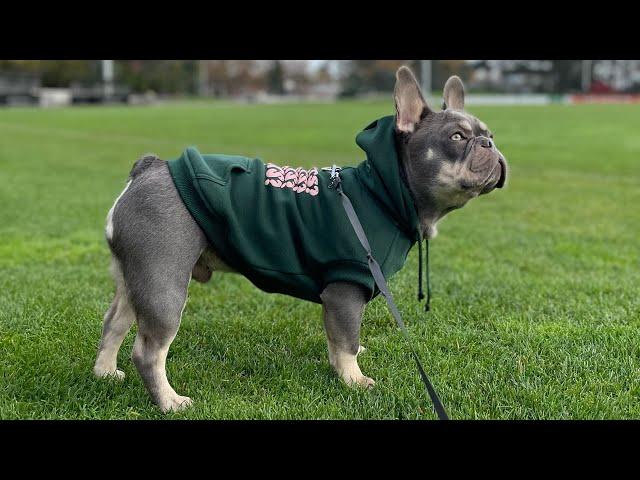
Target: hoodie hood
(380, 174)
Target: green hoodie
(286, 230)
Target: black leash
(378, 277)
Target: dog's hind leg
(157, 243)
(158, 321)
(117, 322)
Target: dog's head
(448, 156)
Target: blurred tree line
(360, 77)
(164, 76)
(55, 73)
(223, 78)
(226, 77)
(220, 77)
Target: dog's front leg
(342, 306)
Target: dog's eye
(456, 136)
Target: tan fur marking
(465, 125)
(346, 366)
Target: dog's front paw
(361, 381)
(116, 374)
(353, 377)
(346, 366)
(175, 404)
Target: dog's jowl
(285, 229)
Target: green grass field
(535, 311)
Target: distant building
(546, 76)
(512, 76)
(18, 88)
(615, 76)
(97, 93)
(327, 90)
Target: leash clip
(334, 175)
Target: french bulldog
(446, 157)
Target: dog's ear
(453, 94)
(410, 104)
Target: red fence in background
(605, 98)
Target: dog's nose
(486, 142)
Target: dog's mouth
(496, 178)
(503, 173)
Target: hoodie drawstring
(427, 305)
(420, 294)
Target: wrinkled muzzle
(486, 165)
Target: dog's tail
(142, 164)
